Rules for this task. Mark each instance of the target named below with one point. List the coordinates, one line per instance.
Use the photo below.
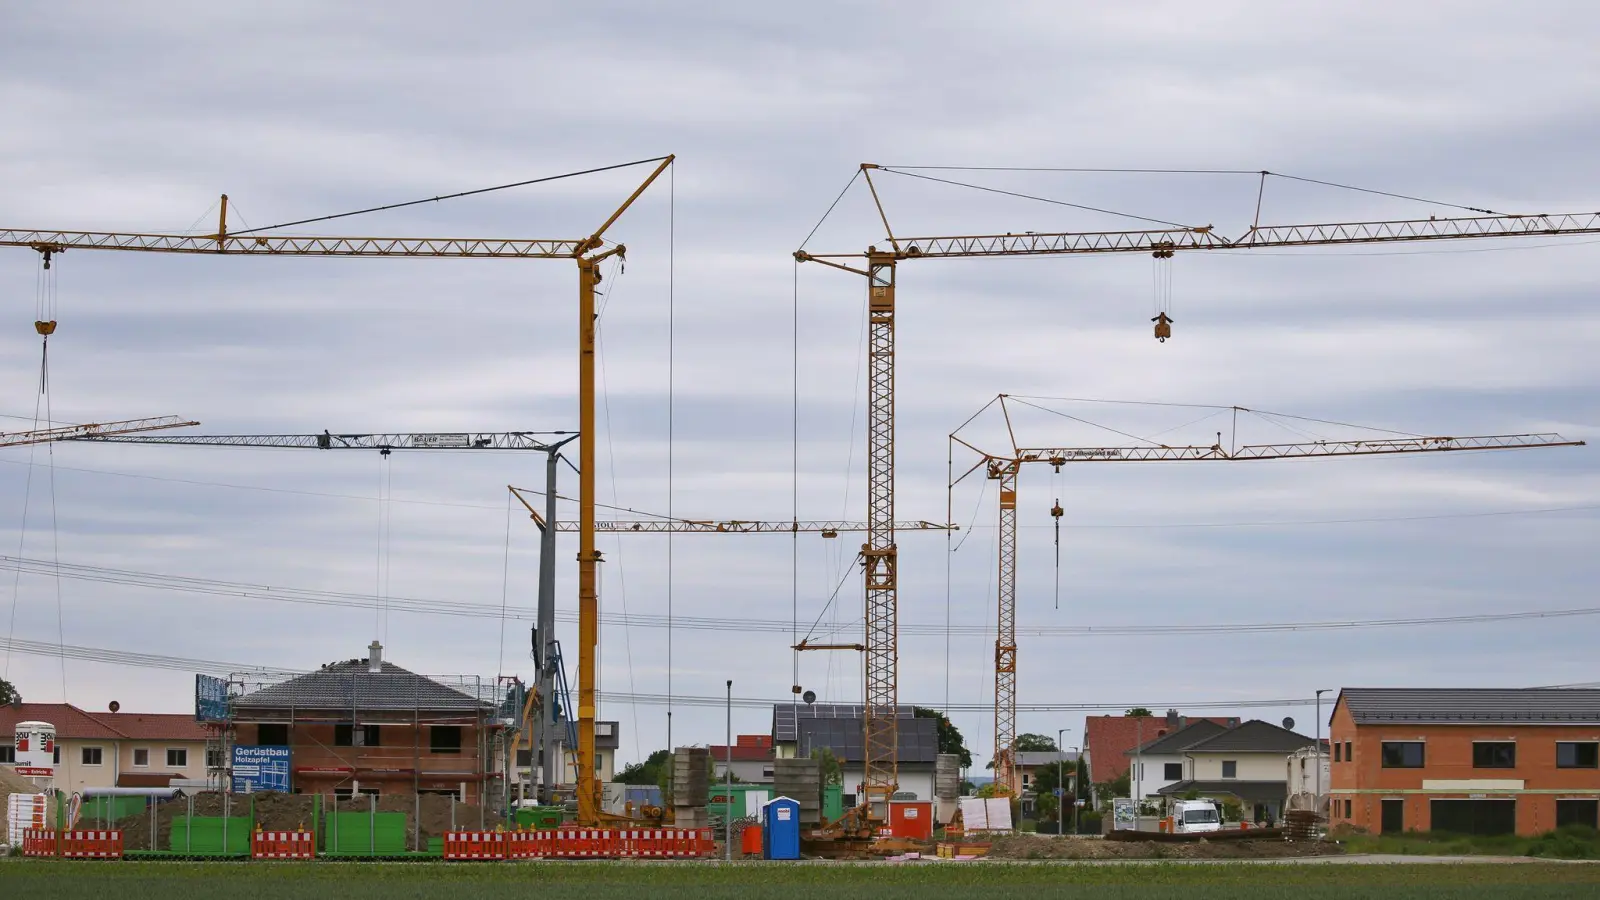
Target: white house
(1160, 763)
(1247, 763)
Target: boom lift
(588, 252)
(1004, 469)
(879, 266)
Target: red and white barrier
(283, 845)
(474, 845)
(74, 844)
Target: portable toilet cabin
(780, 832)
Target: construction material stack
(691, 781)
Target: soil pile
(1027, 846)
(138, 830)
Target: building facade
(120, 749)
(1475, 761)
(1247, 763)
(751, 758)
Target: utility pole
(1317, 759)
(727, 782)
(1061, 794)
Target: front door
(1394, 816)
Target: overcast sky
(136, 116)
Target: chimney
(1172, 719)
(374, 657)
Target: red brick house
(1465, 760)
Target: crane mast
(587, 252)
(1004, 470)
(879, 555)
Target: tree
(828, 766)
(1034, 743)
(9, 693)
(950, 740)
(1139, 712)
(647, 772)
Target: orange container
(912, 820)
(750, 842)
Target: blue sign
(260, 769)
(210, 699)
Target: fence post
(227, 813)
(188, 827)
(372, 824)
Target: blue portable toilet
(780, 829)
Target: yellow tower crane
(879, 265)
(1004, 469)
(588, 252)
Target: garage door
(1474, 816)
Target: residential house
(1160, 762)
(366, 726)
(751, 758)
(117, 749)
(800, 728)
(1107, 739)
(1029, 762)
(1247, 763)
(1478, 761)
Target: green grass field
(58, 880)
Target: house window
(141, 757)
(524, 759)
(1403, 754)
(177, 758)
(1230, 768)
(214, 758)
(1349, 752)
(92, 756)
(356, 736)
(1494, 755)
(1578, 812)
(1337, 755)
(272, 735)
(445, 739)
(56, 758)
(8, 755)
(1575, 755)
(1347, 809)
(1172, 771)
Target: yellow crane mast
(587, 252)
(879, 266)
(1004, 470)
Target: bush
(1566, 842)
(1089, 823)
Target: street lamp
(1061, 794)
(1077, 773)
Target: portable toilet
(780, 831)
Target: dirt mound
(1028, 846)
(138, 830)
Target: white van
(1191, 816)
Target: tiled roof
(71, 722)
(1110, 737)
(348, 685)
(1180, 740)
(154, 726)
(918, 738)
(1254, 736)
(1029, 759)
(1468, 706)
(1248, 791)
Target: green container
(539, 817)
(742, 804)
(112, 809)
(205, 835)
(833, 802)
(436, 846)
(382, 833)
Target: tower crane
(1005, 469)
(879, 266)
(91, 430)
(587, 252)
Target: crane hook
(1163, 327)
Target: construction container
(750, 841)
(832, 802)
(737, 801)
(643, 795)
(780, 829)
(913, 820)
(539, 817)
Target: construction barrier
(474, 845)
(74, 844)
(283, 845)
